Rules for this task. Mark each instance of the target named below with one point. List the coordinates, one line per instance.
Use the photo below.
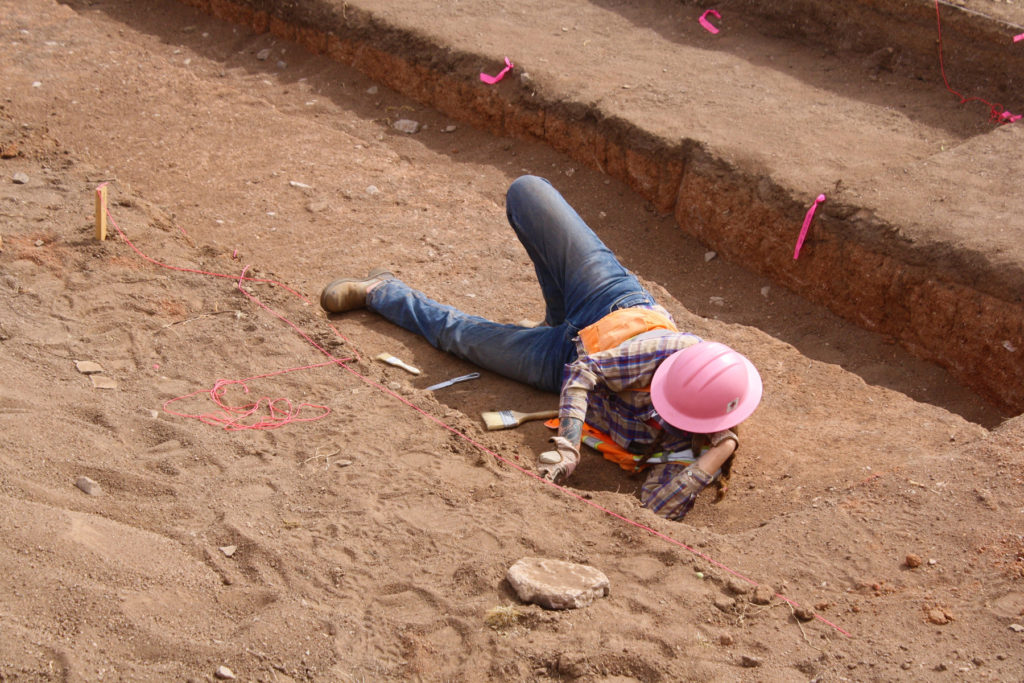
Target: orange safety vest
(620, 325)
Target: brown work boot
(348, 293)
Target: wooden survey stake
(101, 212)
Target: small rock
(88, 367)
(749, 662)
(709, 256)
(296, 183)
(725, 604)
(317, 207)
(765, 291)
(572, 664)
(39, 243)
(372, 190)
(102, 382)
(372, 90)
(549, 458)
(762, 595)
(726, 639)
(224, 673)
(228, 550)
(1017, 628)
(913, 561)
(803, 613)
(88, 486)
(406, 126)
(939, 616)
(263, 55)
(19, 178)
(343, 463)
(737, 587)
(449, 129)
(716, 300)
(556, 584)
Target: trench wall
(943, 307)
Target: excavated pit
(958, 308)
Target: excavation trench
(953, 308)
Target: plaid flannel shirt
(602, 390)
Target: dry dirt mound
(371, 541)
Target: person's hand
(671, 490)
(568, 456)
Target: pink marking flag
(491, 80)
(707, 24)
(807, 224)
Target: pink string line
(994, 114)
(491, 80)
(343, 363)
(707, 24)
(807, 224)
(1018, 38)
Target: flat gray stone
(88, 486)
(556, 584)
(88, 367)
(406, 126)
(103, 382)
(225, 674)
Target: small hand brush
(506, 419)
(391, 360)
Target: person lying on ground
(615, 356)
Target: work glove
(558, 464)
(671, 490)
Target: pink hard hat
(706, 388)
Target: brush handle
(539, 415)
(406, 366)
(391, 360)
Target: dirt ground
(877, 501)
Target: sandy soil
(368, 539)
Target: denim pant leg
(534, 356)
(581, 279)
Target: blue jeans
(580, 278)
